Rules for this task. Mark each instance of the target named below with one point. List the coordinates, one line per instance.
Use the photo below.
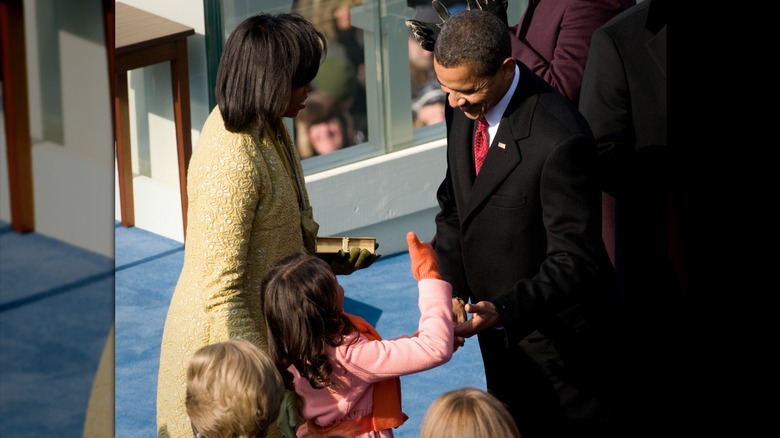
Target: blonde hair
(468, 413)
(233, 390)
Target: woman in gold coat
(248, 205)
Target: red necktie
(480, 143)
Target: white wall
(384, 197)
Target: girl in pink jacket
(345, 376)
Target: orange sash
(387, 396)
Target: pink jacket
(366, 362)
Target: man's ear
(507, 68)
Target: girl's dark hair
(265, 57)
(303, 316)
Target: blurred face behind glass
(430, 114)
(326, 137)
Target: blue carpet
(56, 309)
(147, 268)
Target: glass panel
(335, 116)
(375, 90)
(428, 99)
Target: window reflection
(342, 74)
(323, 126)
(427, 98)
(428, 105)
(351, 44)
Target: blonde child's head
(233, 390)
(468, 413)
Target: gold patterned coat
(243, 215)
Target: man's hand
(483, 317)
(495, 7)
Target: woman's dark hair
(265, 57)
(303, 316)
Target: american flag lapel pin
(501, 145)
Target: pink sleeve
(372, 361)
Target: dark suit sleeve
(448, 250)
(605, 102)
(570, 277)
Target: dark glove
(426, 33)
(495, 7)
(289, 419)
(345, 263)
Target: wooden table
(144, 39)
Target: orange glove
(424, 264)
